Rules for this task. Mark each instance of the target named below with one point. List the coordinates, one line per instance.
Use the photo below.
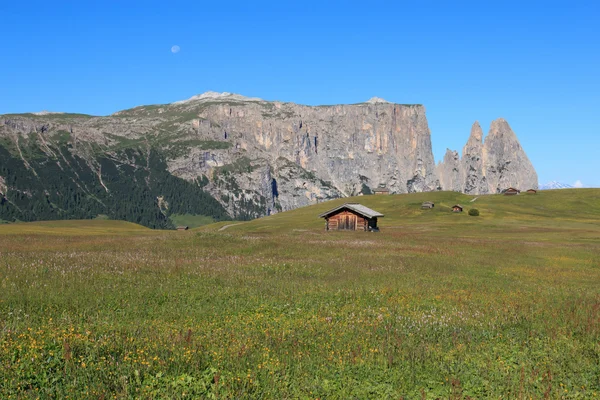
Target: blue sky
(534, 63)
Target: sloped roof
(358, 208)
(457, 205)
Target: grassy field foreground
(437, 305)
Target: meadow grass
(436, 305)
(191, 221)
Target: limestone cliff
(488, 167)
(259, 157)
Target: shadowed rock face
(3, 186)
(491, 166)
(449, 170)
(472, 176)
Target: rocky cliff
(257, 157)
(488, 167)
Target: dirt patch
(227, 226)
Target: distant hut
(182, 228)
(531, 191)
(457, 208)
(351, 217)
(381, 190)
(511, 191)
(427, 204)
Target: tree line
(70, 187)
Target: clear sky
(534, 63)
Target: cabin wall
(347, 220)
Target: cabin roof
(457, 205)
(428, 202)
(358, 208)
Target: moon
(175, 49)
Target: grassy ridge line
(542, 209)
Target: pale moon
(175, 49)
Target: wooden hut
(427, 205)
(351, 217)
(511, 191)
(182, 228)
(381, 190)
(457, 208)
(531, 191)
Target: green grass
(436, 305)
(544, 209)
(183, 147)
(122, 142)
(73, 228)
(61, 136)
(167, 143)
(191, 221)
(242, 164)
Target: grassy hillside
(192, 221)
(74, 227)
(545, 209)
(436, 305)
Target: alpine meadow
(313, 200)
(437, 305)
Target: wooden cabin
(511, 191)
(427, 204)
(351, 217)
(381, 190)
(182, 228)
(457, 208)
(531, 191)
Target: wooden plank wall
(360, 223)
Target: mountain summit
(376, 100)
(555, 185)
(216, 96)
(488, 166)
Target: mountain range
(227, 156)
(555, 185)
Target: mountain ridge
(488, 165)
(555, 185)
(254, 157)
